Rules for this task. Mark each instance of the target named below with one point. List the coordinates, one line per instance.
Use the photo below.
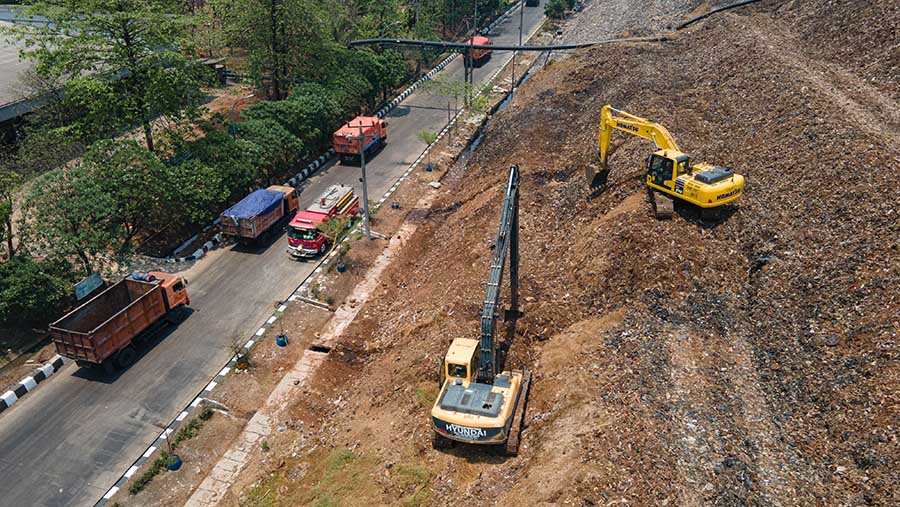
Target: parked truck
(305, 239)
(102, 331)
(479, 56)
(370, 132)
(257, 216)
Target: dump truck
(369, 129)
(256, 217)
(102, 331)
(479, 56)
(305, 239)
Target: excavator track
(515, 429)
(663, 205)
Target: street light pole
(515, 53)
(362, 164)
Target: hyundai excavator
(670, 173)
(476, 404)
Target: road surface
(71, 439)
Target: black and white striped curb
(30, 382)
(318, 163)
(297, 295)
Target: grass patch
(186, 432)
(416, 478)
(345, 479)
(264, 494)
(426, 396)
(158, 465)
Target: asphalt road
(71, 439)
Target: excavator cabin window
(660, 169)
(456, 370)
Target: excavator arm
(613, 119)
(507, 240)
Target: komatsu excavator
(477, 405)
(670, 173)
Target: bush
(555, 9)
(32, 293)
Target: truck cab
(304, 237)
(479, 56)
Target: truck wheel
(108, 367)
(125, 357)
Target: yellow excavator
(670, 173)
(478, 402)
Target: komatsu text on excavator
(476, 404)
(669, 170)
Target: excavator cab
(666, 166)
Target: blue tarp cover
(260, 202)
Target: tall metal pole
(362, 165)
(515, 53)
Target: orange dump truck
(257, 216)
(479, 55)
(102, 331)
(347, 139)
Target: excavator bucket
(597, 177)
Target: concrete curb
(299, 295)
(28, 384)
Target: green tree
(123, 61)
(274, 148)
(31, 293)
(334, 229)
(68, 214)
(230, 159)
(10, 182)
(283, 38)
(135, 181)
(555, 9)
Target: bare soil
(749, 361)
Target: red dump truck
(259, 214)
(304, 237)
(479, 56)
(102, 331)
(347, 138)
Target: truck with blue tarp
(259, 214)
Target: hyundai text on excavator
(477, 405)
(669, 170)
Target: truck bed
(108, 322)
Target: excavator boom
(613, 119)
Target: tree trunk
(148, 135)
(9, 237)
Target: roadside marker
(112, 491)
(150, 451)
(212, 385)
(131, 471)
(261, 331)
(181, 416)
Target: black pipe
(559, 47)
(714, 11)
(462, 45)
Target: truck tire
(109, 368)
(125, 357)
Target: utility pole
(362, 164)
(515, 53)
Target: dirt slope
(749, 362)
